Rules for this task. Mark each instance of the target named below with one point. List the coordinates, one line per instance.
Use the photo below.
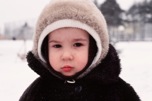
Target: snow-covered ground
(15, 75)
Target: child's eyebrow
(54, 41)
(80, 39)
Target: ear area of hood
(108, 70)
(35, 64)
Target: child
(73, 57)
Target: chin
(68, 75)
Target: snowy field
(15, 75)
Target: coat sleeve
(127, 91)
(31, 92)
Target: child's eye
(78, 44)
(57, 46)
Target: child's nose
(67, 55)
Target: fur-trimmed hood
(81, 14)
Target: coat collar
(105, 73)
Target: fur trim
(84, 12)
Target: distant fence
(131, 32)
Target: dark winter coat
(101, 84)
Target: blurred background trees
(113, 15)
(140, 14)
(134, 24)
(112, 12)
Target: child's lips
(67, 68)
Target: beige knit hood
(81, 14)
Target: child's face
(68, 50)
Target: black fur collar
(106, 72)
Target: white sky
(11, 10)
(14, 10)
